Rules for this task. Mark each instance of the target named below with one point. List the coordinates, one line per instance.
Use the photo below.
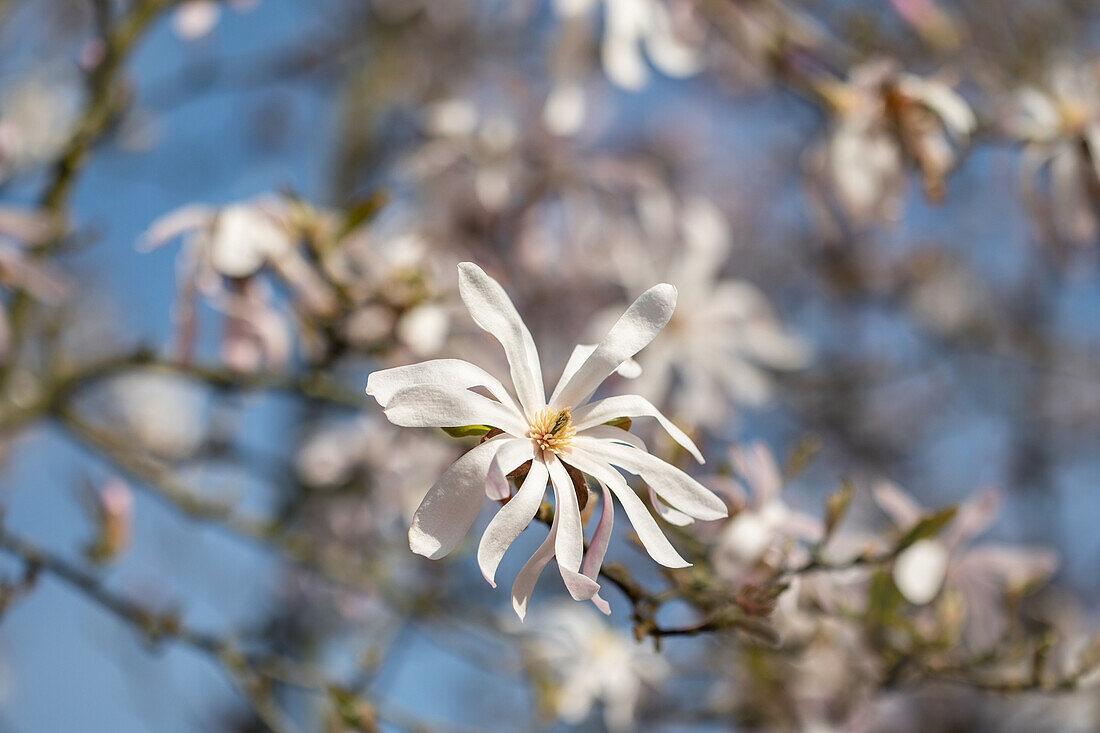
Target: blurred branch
(251, 673)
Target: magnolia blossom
(765, 530)
(981, 575)
(36, 118)
(225, 251)
(469, 139)
(881, 120)
(1060, 126)
(633, 26)
(550, 436)
(725, 337)
(194, 19)
(592, 662)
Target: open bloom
(982, 575)
(589, 663)
(550, 435)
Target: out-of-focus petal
(919, 571)
(176, 224)
(899, 506)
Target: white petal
(512, 519)
(597, 413)
(569, 544)
(920, 570)
(439, 406)
(667, 513)
(511, 456)
(175, 224)
(452, 372)
(671, 484)
(642, 321)
(610, 432)
(597, 548)
(452, 504)
(629, 368)
(756, 465)
(974, 517)
(493, 311)
(653, 539)
(903, 511)
(524, 584)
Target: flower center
(553, 431)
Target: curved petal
(524, 584)
(671, 484)
(902, 510)
(452, 504)
(611, 432)
(385, 383)
(175, 224)
(512, 519)
(597, 548)
(629, 369)
(569, 543)
(442, 406)
(757, 466)
(494, 312)
(653, 539)
(601, 411)
(641, 323)
(512, 455)
(667, 513)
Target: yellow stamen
(553, 431)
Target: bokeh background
(910, 187)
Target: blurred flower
(763, 532)
(591, 662)
(881, 119)
(1060, 128)
(37, 114)
(194, 19)
(395, 283)
(981, 575)
(550, 436)
(224, 251)
(162, 413)
(633, 30)
(724, 336)
(467, 140)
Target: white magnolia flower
(981, 575)
(550, 434)
(1060, 126)
(634, 26)
(224, 252)
(592, 663)
(881, 119)
(725, 338)
(763, 532)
